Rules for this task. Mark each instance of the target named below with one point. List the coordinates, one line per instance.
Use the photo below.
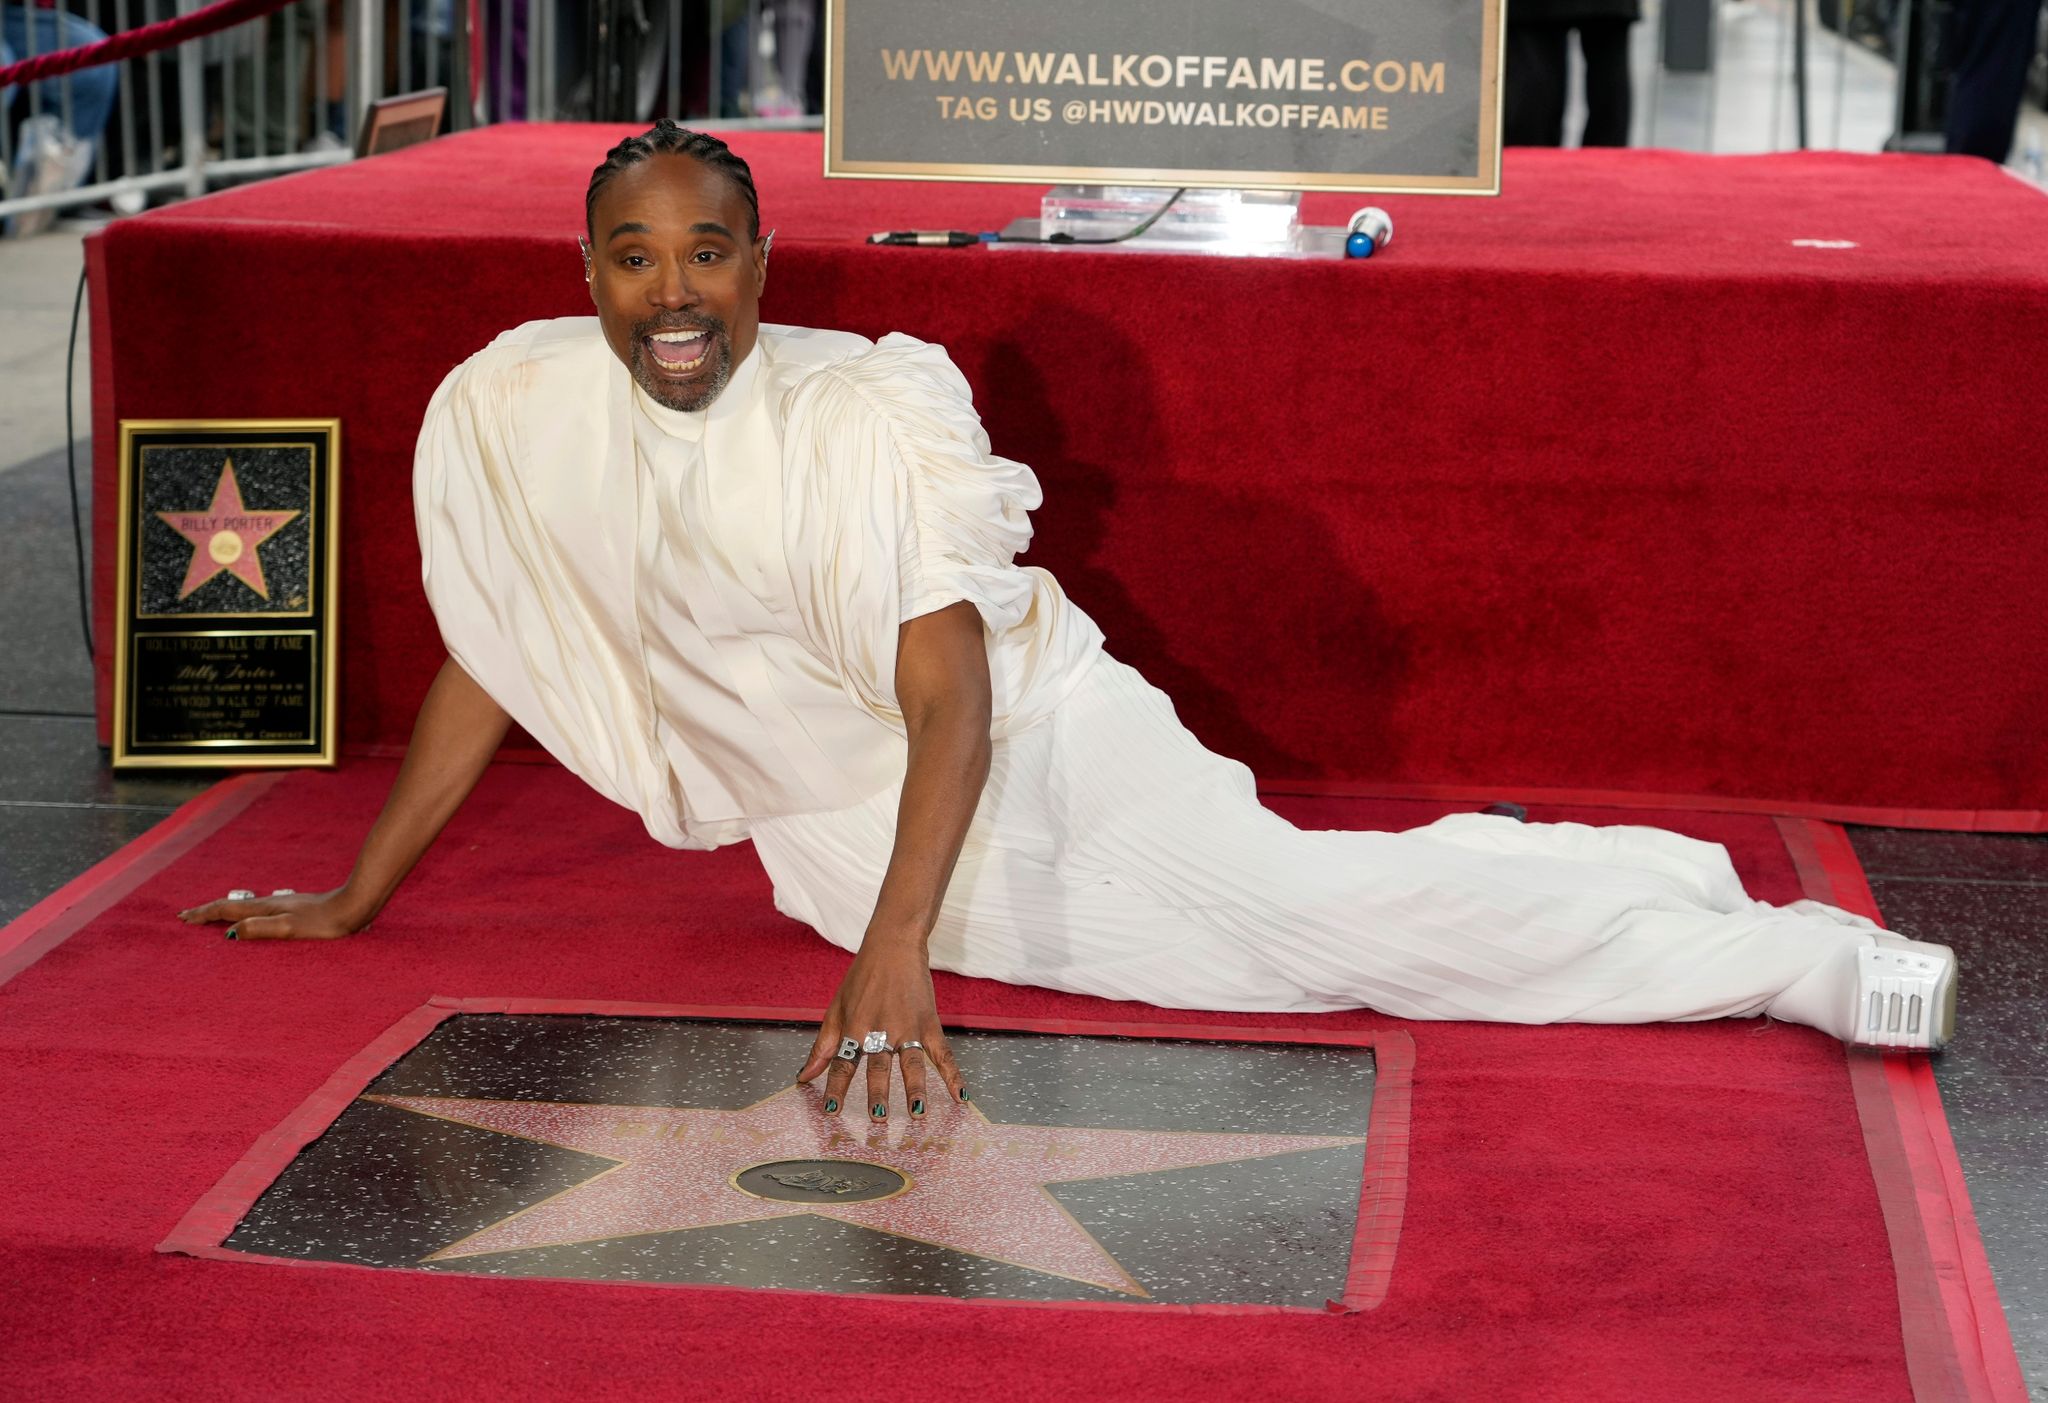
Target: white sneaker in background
(48, 161)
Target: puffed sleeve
(901, 509)
(908, 438)
(969, 509)
(511, 615)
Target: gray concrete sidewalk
(38, 278)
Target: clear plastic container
(1223, 221)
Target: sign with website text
(1293, 94)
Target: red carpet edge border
(1958, 1346)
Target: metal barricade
(290, 90)
(211, 111)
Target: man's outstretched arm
(457, 732)
(942, 684)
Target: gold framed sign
(1342, 95)
(225, 617)
(394, 123)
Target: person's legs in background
(1604, 43)
(1535, 85)
(57, 142)
(1992, 42)
(92, 89)
(736, 67)
(796, 28)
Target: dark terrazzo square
(57, 760)
(47, 668)
(43, 848)
(1906, 852)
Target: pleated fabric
(698, 613)
(1113, 855)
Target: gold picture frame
(226, 613)
(1486, 180)
(394, 123)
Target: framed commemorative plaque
(225, 608)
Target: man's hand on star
(888, 989)
(944, 691)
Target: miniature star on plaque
(225, 535)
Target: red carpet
(1679, 1212)
(1630, 480)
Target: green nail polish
(917, 1106)
(831, 1103)
(879, 1111)
(964, 1096)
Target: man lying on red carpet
(758, 582)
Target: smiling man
(759, 582)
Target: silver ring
(875, 1042)
(909, 1043)
(285, 891)
(849, 1051)
(241, 894)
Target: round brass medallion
(821, 1181)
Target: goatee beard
(698, 393)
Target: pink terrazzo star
(975, 1187)
(225, 535)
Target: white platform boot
(1895, 992)
(1905, 994)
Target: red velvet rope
(127, 44)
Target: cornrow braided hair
(667, 137)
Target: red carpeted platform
(1671, 475)
(1683, 1213)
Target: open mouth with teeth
(679, 352)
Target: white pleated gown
(698, 614)
(1113, 855)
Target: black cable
(1064, 237)
(71, 469)
(959, 238)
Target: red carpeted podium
(1680, 477)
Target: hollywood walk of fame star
(225, 535)
(973, 1186)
